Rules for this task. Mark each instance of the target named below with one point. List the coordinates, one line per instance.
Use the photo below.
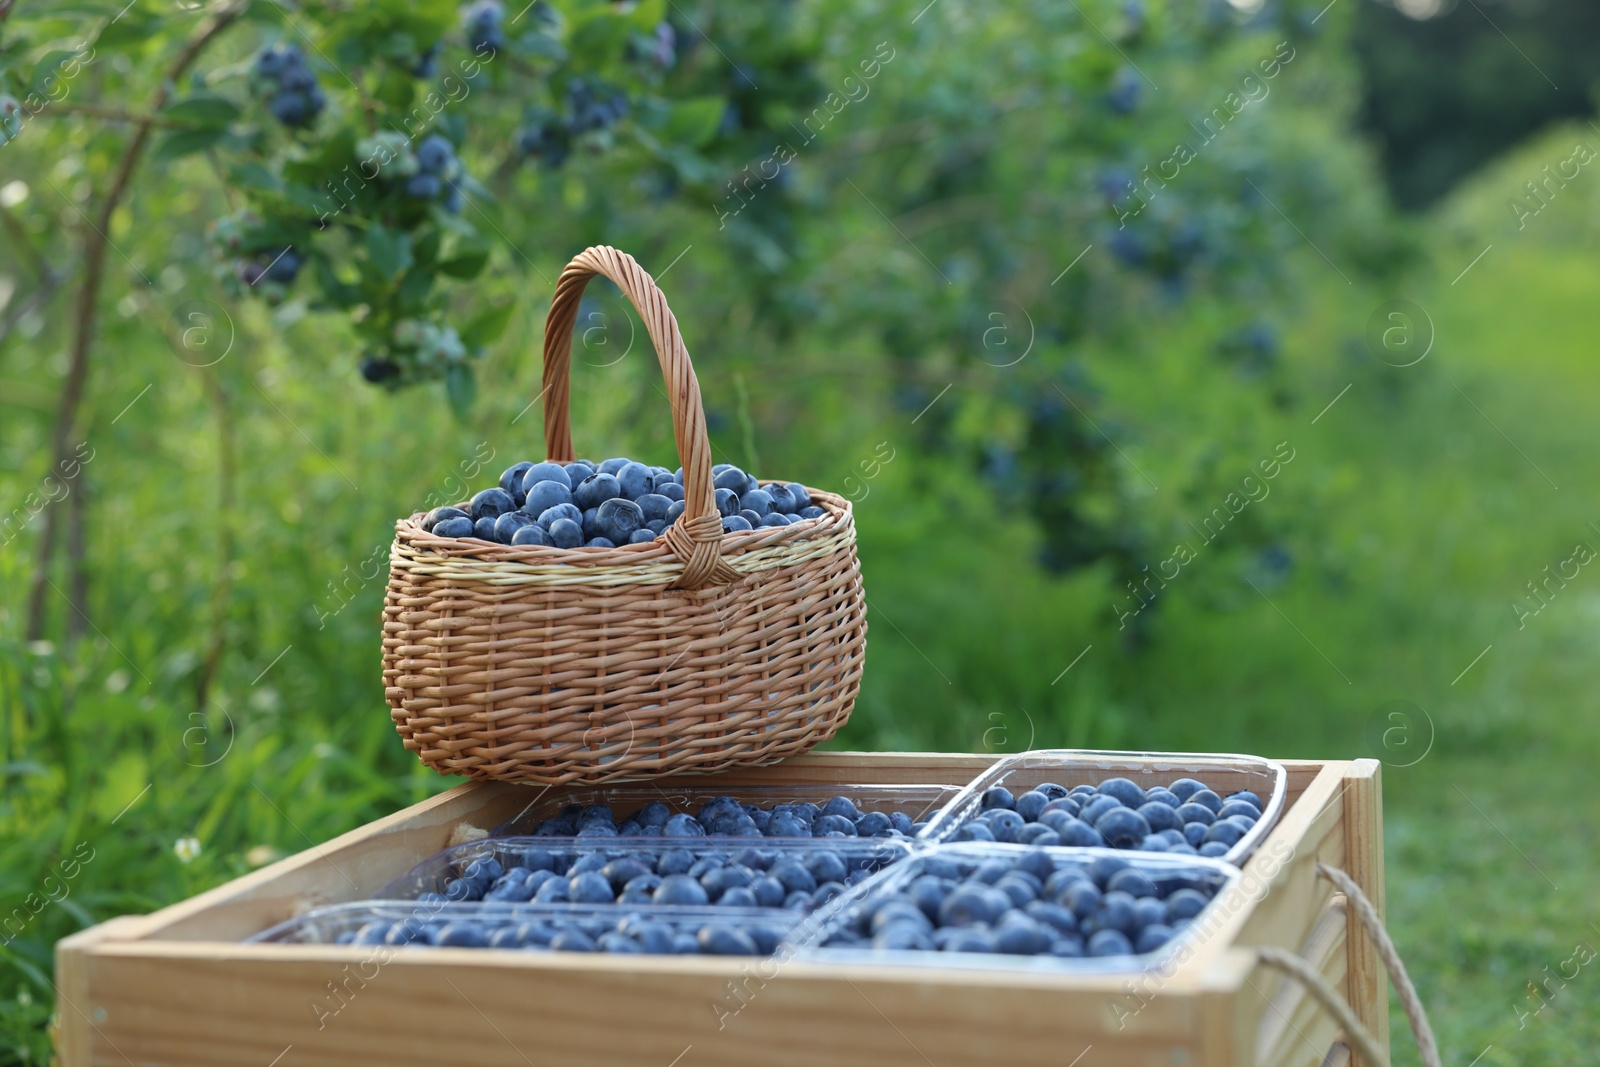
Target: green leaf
(427, 247)
(488, 326)
(390, 251)
(695, 121)
(133, 27)
(338, 293)
(207, 110)
(414, 289)
(647, 14)
(186, 143)
(466, 266)
(46, 68)
(254, 176)
(461, 388)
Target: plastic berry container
(441, 877)
(919, 803)
(821, 937)
(1222, 773)
(386, 926)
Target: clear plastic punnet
(387, 926)
(622, 874)
(1223, 774)
(918, 804)
(842, 932)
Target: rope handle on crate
(696, 538)
(1297, 968)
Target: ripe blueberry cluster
(587, 108)
(297, 99)
(724, 816)
(1034, 904)
(1185, 817)
(794, 880)
(437, 169)
(281, 266)
(484, 22)
(618, 502)
(632, 933)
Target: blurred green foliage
(1039, 287)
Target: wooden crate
(176, 987)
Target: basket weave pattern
(696, 652)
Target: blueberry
(1020, 890)
(1030, 804)
(293, 108)
(599, 542)
(967, 939)
(1018, 935)
(542, 496)
(757, 500)
(793, 876)
(1152, 937)
(676, 511)
(1067, 948)
(1213, 849)
(767, 938)
(975, 831)
(872, 823)
(545, 472)
(824, 893)
(783, 501)
(572, 939)
(1116, 912)
(1162, 795)
(491, 503)
(652, 937)
(483, 529)
(730, 478)
(902, 822)
(554, 891)
(785, 824)
(564, 533)
(653, 506)
(372, 933)
(1160, 816)
(1004, 824)
(1207, 798)
(1147, 910)
(1054, 916)
(618, 519)
(1124, 790)
(596, 490)
(801, 495)
(727, 502)
(971, 904)
(766, 521)
(438, 515)
(1225, 832)
(1172, 837)
(462, 527)
(1236, 807)
(1196, 813)
(998, 797)
(1153, 843)
(1067, 804)
(841, 806)
(461, 935)
(1085, 790)
(1185, 904)
(1122, 828)
(681, 889)
(735, 524)
(1097, 806)
(507, 525)
(569, 512)
(635, 480)
(434, 154)
(737, 897)
(1101, 868)
(672, 491)
(826, 866)
(1182, 850)
(991, 871)
(531, 534)
(1184, 788)
(813, 512)
(1079, 834)
(718, 940)
(1247, 797)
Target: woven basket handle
(696, 538)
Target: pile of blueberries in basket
(1185, 818)
(724, 816)
(617, 502)
(797, 880)
(1034, 904)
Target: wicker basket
(696, 652)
